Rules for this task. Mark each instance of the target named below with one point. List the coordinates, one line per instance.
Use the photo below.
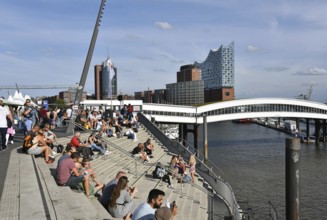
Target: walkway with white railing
(236, 109)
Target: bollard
(292, 162)
(205, 138)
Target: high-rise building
(189, 89)
(105, 81)
(188, 73)
(218, 74)
(185, 93)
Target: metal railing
(199, 156)
(272, 212)
(221, 187)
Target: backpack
(187, 179)
(28, 142)
(158, 172)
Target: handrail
(272, 212)
(222, 188)
(200, 156)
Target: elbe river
(252, 158)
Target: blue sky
(280, 46)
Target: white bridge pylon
(237, 109)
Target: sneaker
(107, 153)
(170, 186)
(12, 142)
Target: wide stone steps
(106, 168)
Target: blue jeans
(96, 147)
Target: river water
(252, 158)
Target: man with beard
(146, 210)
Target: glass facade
(108, 80)
(218, 68)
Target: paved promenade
(28, 189)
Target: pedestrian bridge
(236, 109)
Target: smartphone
(172, 204)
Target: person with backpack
(34, 144)
(160, 173)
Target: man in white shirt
(146, 210)
(4, 113)
(69, 112)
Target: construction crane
(37, 87)
(307, 95)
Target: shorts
(35, 151)
(74, 180)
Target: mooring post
(308, 129)
(196, 138)
(292, 162)
(205, 137)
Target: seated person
(134, 122)
(109, 187)
(130, 133)
(81, 118)
(68, 174)
(80, 146)
(121, 201)
(94, 146)
(160, 173)
(49, 136)
(139, 153)
(148, 148)
(67, 153)
(166, 213)
(38, 146)
(87, 170)
(98, 140)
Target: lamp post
(79, 92)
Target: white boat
(312, 139)
(172, 133)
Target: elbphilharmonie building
(218, 74)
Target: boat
(172, 133)
(242, 120)
(312, 139)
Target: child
(87, 170)
(10, 135)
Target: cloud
(163, 25)
(273, 23)
(159, 70)
(9, 53)
(133, 37)
(277, 69)
(252, 49)
(314, 71)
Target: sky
(280, 45)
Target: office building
(185, 93)
(188, 73)
(105, 81)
